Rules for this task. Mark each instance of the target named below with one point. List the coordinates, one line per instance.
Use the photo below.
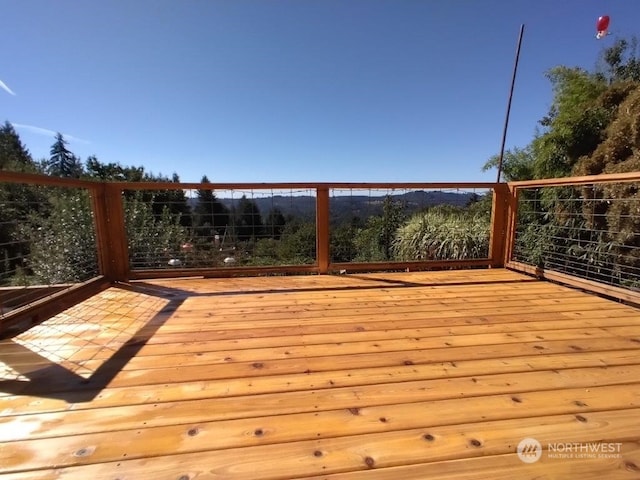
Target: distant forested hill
(348, 206)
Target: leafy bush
(296, 246)
(63, 244)
(342, 244)
(298, 243)
(152, 240)
(374, 242)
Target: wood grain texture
(368, 376)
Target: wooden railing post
(322, 229)
(99, 208)
(111, 238)
(512, 219)
(499, 220)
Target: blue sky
(291, 90)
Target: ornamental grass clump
(443, 235)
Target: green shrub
(440, 235)
(152, 239)
(63, 244)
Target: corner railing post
(322, 229)
(100, 222)
(512, 219)
(111, 237)
(499, 221)
(118, 234)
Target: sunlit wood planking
(367, 376)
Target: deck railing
(253, 229)
(562, 229)
(49, 253)
(581, 231)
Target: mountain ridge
(362, 206)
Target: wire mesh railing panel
(47, 242)
(590, 231)
(404, 225)
(209, 228)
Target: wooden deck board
(501, 467)
(275, 348)
(223, 434)
(397, 375)
(209, 389)
(365, 451)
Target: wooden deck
(398, 376)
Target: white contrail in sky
(48, 133)
(6, 88)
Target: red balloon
(602, 25)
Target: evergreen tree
(275, 223)
(17, 202)
(13, 154)
(174, 200)
(249, 222)
(112, 171)
(211, 216)
(62, 162)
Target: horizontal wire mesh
(387, 225)
(47, 242)
(208, 228)
(591, 231)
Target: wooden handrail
(38, 179)
(577, 181)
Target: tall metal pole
(506, 120)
